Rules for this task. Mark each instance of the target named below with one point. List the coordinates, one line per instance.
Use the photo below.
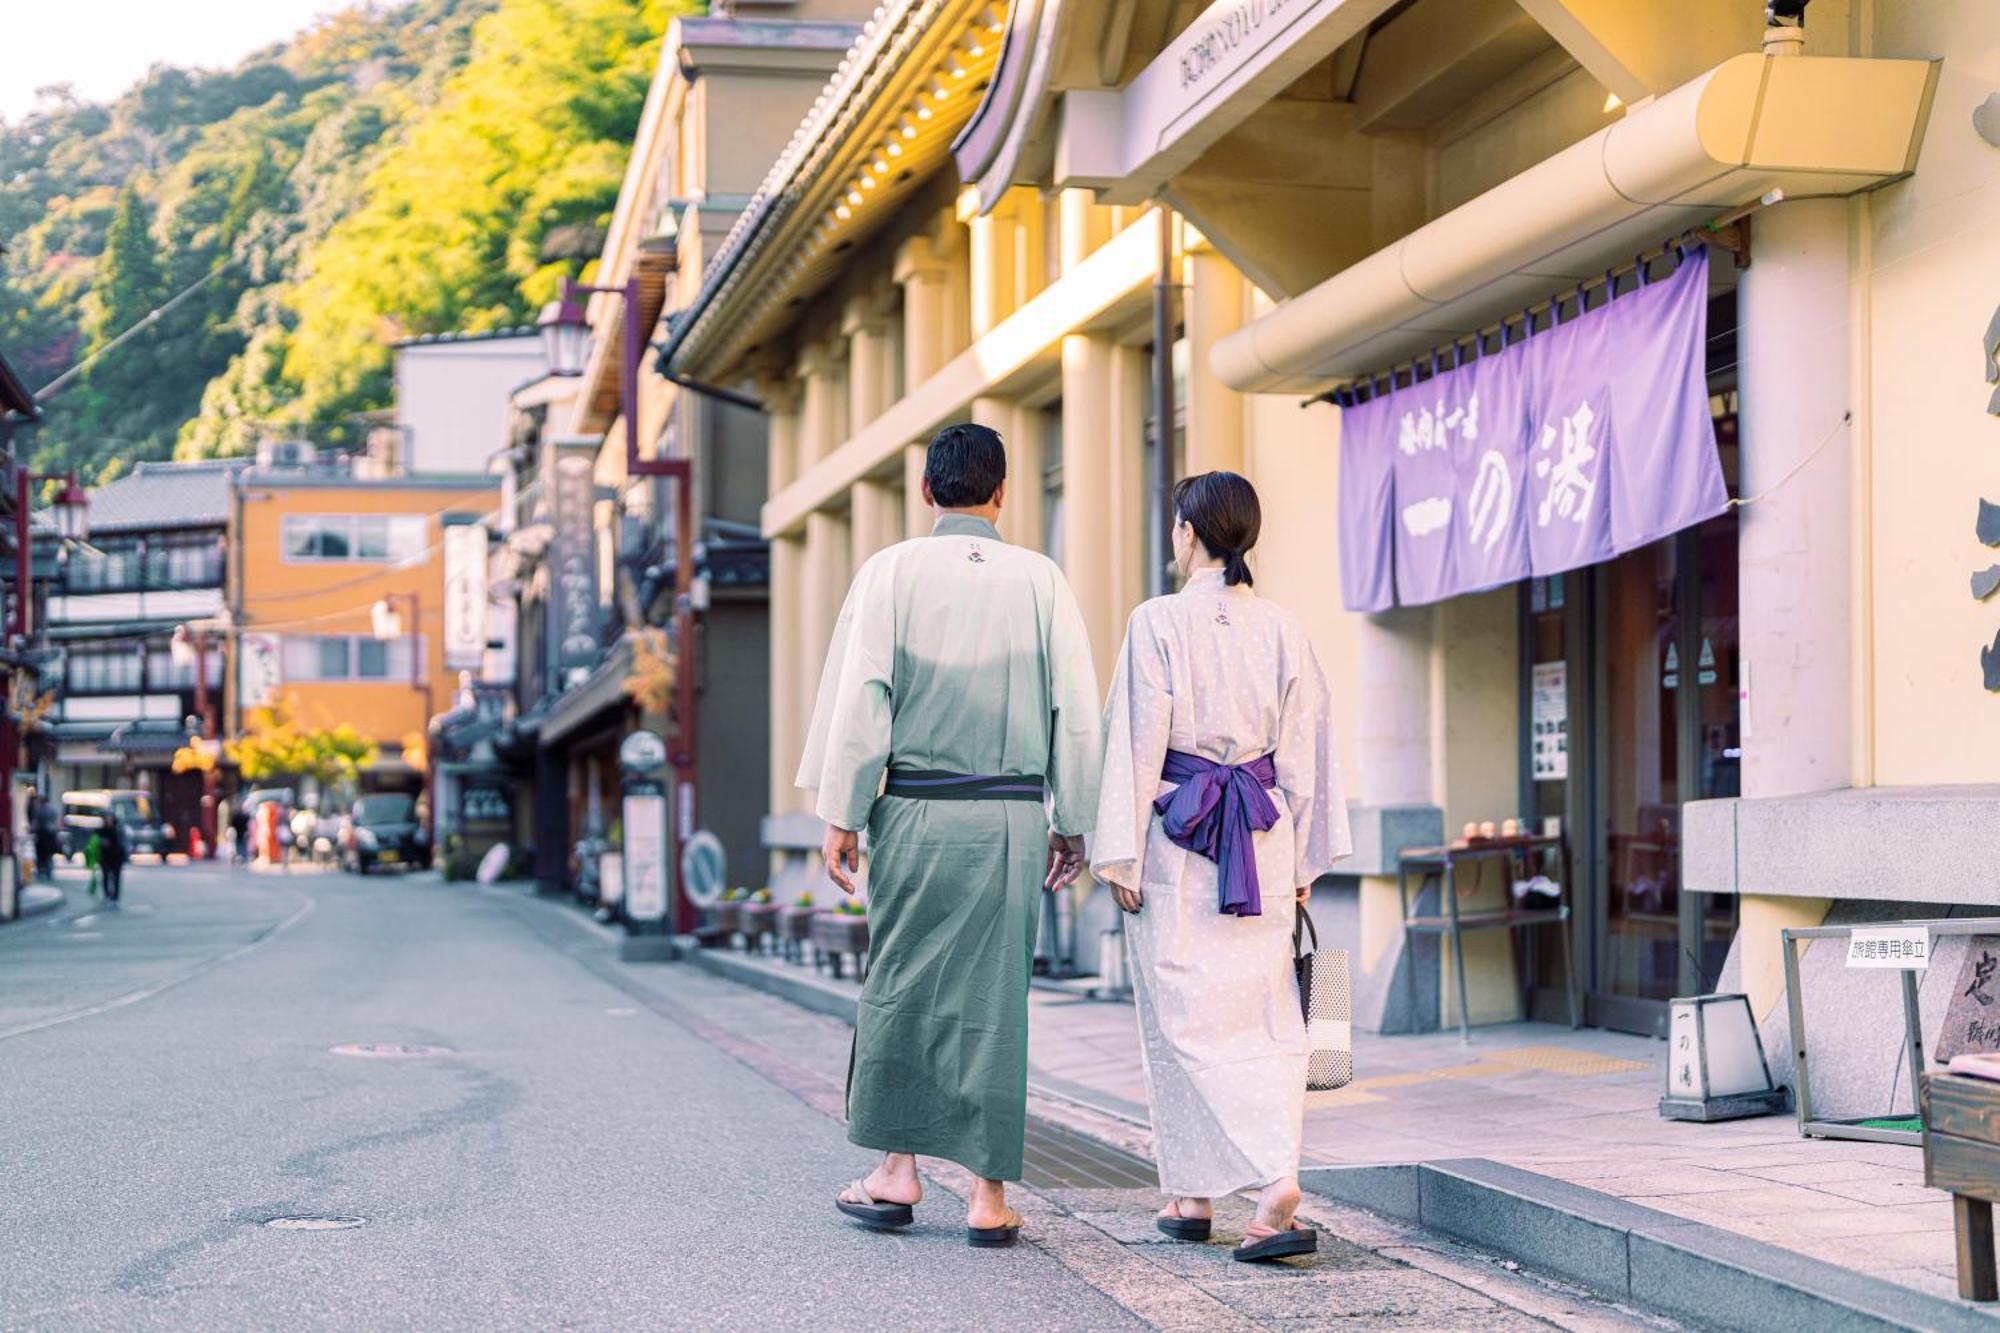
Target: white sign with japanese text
(645, 856)
(1905, 948)
(464, 596)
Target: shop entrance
(1629, 709)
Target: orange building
(317, 556)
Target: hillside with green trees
(259, 237)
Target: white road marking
(148, 992)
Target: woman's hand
(1128, 899)
(1305, 895)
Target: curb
(808, 990)
(36, 899)
(1629, 1252)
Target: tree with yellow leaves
(275, 745)
(651, 684)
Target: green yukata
(954, 654)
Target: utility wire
(49, 390)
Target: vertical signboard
(573, 558)
(646, 855)
(464, 596)
(257, 674)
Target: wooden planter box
(728, 917)
(795, 923)
(760, 920)
(835, 934)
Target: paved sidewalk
(1578, 1106)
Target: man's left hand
(1066, 860)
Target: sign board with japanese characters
(1906, 948)
(1550, 453)
(1972, 1018)
(645, 856)
(464, 596)
(1548, 717)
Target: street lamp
(565, 334)
(72, 511)
(189, 648)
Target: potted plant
(729, 912)
(844, 930)
(760, 919)
(795, 926)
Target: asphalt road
(169, 1086)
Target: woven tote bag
(1324, 997)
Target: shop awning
(605, 688)
(1754, 124)
(150, 740)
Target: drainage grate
(389, 1051)
(315, 1222)
(1060, 1158)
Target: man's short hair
(965, 466)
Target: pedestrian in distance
(42, 825)
(239, 828)
(93, 860)
(112, 855)
(1220, 806)
(960, 672)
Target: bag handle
(1301, 927)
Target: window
(357, 537)
(338, 657)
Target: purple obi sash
(1212, 811)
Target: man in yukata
(957, 723)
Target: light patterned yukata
(1218, 672)
(954, 654)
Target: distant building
(451, 396)
(317, 556)
(154, 562)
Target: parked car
(383, 830)
(83, 814)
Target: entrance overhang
(1802, 126)
(1127, 143)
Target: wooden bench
(1962, 1154)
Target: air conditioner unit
(286, 453)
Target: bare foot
(894, 1181)
(1276, 1204)
(1189, 1209)
(988, 1205)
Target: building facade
(337, 594)
(154, 564)
(451, 397)
(1248, 225)
(729, 90)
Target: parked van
(83, 814)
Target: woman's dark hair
(964, 466)
(1222, 509)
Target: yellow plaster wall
(1928, 263)
(1761, 953)
(336, 597)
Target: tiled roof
(166, 495)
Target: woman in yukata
(1220, 806)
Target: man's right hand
(842, 854)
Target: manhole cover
(375, 1050)
(315, 1222)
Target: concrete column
(1796, 547)
(995, 263)
(823, 423)
(923, 277)
(864, 323)
(876, 517)
(788, 682)
(954, 249)
(1103, 490)
(1214, 310)
(1083, 227)
(781, 440)
(1021, 515)
(917, 516)
(828, 568)
(1030, 267)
